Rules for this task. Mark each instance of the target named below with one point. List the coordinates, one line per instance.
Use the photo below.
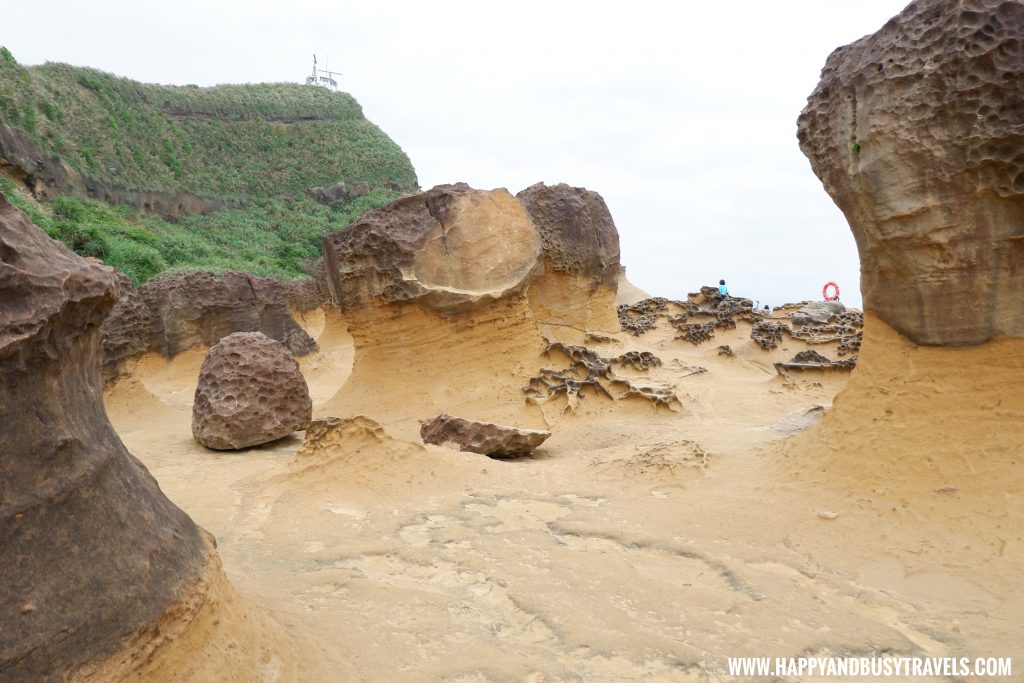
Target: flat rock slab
(250, 392)
(499, 441)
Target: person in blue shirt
(722, 289)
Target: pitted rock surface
(589, 369)
(700, 314)
(845, 327)
(916, 133)
(94, 555)
(449, 248)
(768, 334)
(250, 392)
(485, 438)
(641, 316)
(576, 230)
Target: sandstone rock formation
(125, 331)
(250, 392)
(824, 322)
(768, 334)
(812, 360)
(174, 313)
(696, 318)
(915, 132)
(481, 437)
(588, 369)
(446, 249)
(94, 557)
(576, 230)
(499, 274)
(817, 312)
(580, 265)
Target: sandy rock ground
(636, 544)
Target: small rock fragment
(486, 438)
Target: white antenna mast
(323, 77)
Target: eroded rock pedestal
(93, 556)
(452, 296)
(917, 133)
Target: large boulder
(917, 133)
(486, 438)
(94, 557)
(451, 247)
(250, 392)
(576, 230)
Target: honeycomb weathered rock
(768, 334)
(250, 392)
(588, 369)
(917, 133)
(812, 360)
(576, 230)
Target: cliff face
(917, 133)
(94, 555)
(172, 314)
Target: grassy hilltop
(253, 148)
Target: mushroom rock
(449, 295)
(450, 249)
(917, 133)
(581, 269)
(94, 556)
(250, 392)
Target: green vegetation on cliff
(254, 149)
(270, 238)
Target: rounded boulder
(250, 392)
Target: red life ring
(824, 291)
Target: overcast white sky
(682, 115)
